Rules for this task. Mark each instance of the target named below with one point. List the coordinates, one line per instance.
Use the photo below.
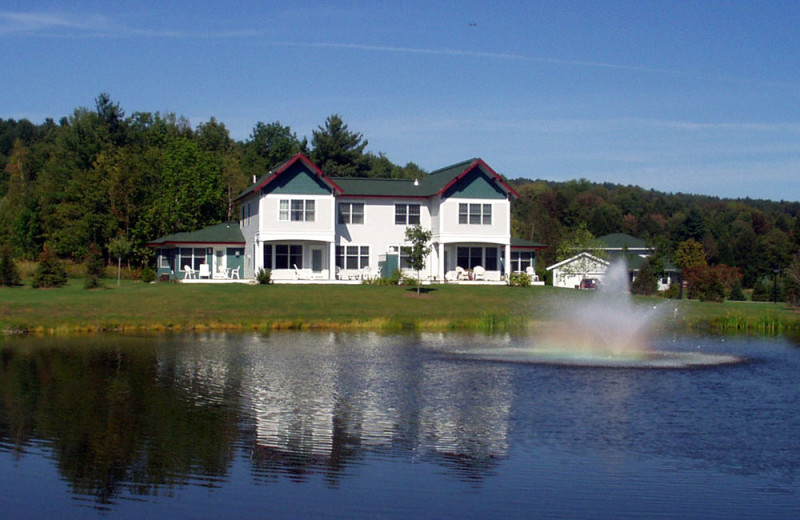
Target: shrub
(705, 283)
(519, 280)
(765, 290)
(95, 267)
(264, 276)
(646, 281)
(737, 294)
(9, 275)
(673, 292)
(410, 282)
(792, 282)
(50, 271)
(148, 275)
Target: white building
(301, 224)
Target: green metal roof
(621, 241)
(365, 187)
(225, 233)
(521, 242)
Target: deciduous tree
(419, 239)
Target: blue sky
(696, 97)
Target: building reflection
(142, 416)
(315, 412)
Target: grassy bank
(155, 307)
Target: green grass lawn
(138, 306)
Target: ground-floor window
(352, 257)
(164, 258)
(405, 257)
(193, 257)
(287, 256)
(521, 260)
(267, 256)
(471, 257)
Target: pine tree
(50, 272)
(95, 267)
(9, 276)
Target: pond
(343, 425)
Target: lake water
(332, 425)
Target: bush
(264, 276)
(646, 281)
(673, 292)
(705, 283)
(148, 275)
(410, 282)
(792, 282)
(9, 275)
(50, 271)
(765, 290)
(95, 267)
(737, 294)
(519, 280)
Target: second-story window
(297, 210)
(351, 213)
(406, 214)
(475, 214)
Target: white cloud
(19, 22)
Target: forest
(99, 176)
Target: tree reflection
(124, 416)
(111, 426)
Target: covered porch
(215, 253)
(297, 260)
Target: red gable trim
(476, 164)
(287, 164)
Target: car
(588, 283)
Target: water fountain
(606, 329)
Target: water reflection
(129, 416)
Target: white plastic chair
(235, 273)
(478, 273)
(222, 272)
(461, 273)
(205, 271)
(188, 272)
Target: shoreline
(137, 307)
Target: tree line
(758, 239)
(99, 176)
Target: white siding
(449, 229)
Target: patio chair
(188, 272)
(451, 276)
(478, 273)
(461, 273)
(235, 273)
(205, 271)
(222, 272)
(531, 273)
